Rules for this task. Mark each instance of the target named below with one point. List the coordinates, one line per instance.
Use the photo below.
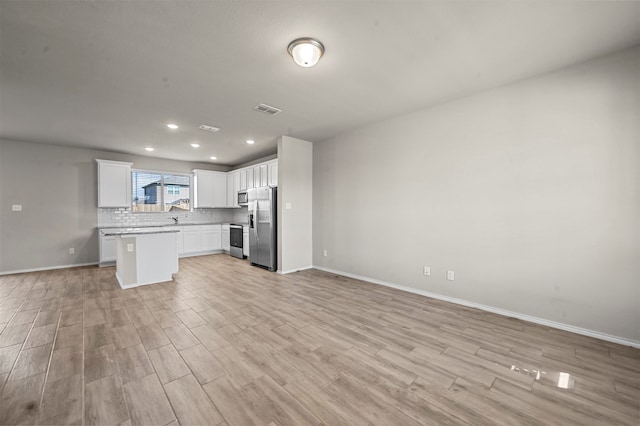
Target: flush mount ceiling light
(305, 51)
(250, 141)
(213, 157)
(172, 126)
(149, 149)
(195, 145)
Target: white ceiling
(111, 74)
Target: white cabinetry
(107, 250)
(257, 177)
(211, 238)
(272, 167)
(226, 238)
(179, 237)
(192, 239)
(200, 239)
(250, 182)
(233, 186)
(243, 180)
(210, 189)
(264, 175)
(245, 241)
(114, 184)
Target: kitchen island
(145, 255)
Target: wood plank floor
(231, 344)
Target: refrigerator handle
(255, 218)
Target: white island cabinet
(190, 240)
(145, 256)
(114, 183)
(107, 249)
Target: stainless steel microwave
(243, 198)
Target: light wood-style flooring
(227, 343)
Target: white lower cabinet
(211, 238)
(107, 250)
(191, 240)
(245, 241)
(179, 238)
(226, 238)
(200, 239)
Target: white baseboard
(200, 253)
(504, 312)
(304, 268)
(47, 268)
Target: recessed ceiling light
(213, 158)
(250, 141)
(149, 149)
(172, 126)
(195, 145)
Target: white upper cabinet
(273, 172)
(229, 189)
(236, 188)
(243, 180)
(233, 186)
(264, 175)
(210, 189)
(114, 183)
(250, 182)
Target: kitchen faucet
(175, 219)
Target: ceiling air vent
(209, 128)
(267, 109)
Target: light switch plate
(130, 247)
(16, 207)
(287, 206)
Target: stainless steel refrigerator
(262, 227)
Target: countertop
(121, 230)
(138, 231)
(164, 225)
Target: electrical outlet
(450, 275)
(72, 250)
(427, 271)
(129, 247)
(324, 253)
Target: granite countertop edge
(143, 231)
(161, 226)
(158, 228)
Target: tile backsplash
(119, 217)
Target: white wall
(529, 192)
(57, 187)
(295, 178)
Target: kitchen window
(160, 192)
